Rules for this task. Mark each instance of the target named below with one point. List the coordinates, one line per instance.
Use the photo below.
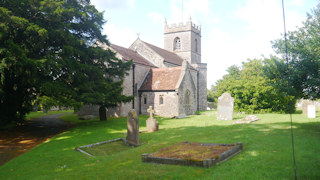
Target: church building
(171, 79)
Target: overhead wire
(289, 91)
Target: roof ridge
(129, 54)
(160, 48)
(167, 55)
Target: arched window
(196, 45)
(161, 99)
(187, 97)
(177, 43)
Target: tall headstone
(225, 107)
(152, 124)
(304, 104)
(133, 129)
(311, 111)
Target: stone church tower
(185, 41)
(172, 80)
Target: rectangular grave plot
(185, 154)
(104, 148)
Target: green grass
(267, 152)
(107, 149)
(37, 114)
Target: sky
(233, 31)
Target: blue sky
(232, 30)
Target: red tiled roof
(167, 55)
(129, 54)
(160, 79)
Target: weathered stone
(311, 111)
(225, 107)
(133, 129)
(152, 124)
(247, 120)
(87, 117)
(147, 57)
(305, 103)
(211, 106)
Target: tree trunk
(102, 113)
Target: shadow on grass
(266, 154)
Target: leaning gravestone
(225, 107)
(152, 124)
(311, 111)
(132, 129)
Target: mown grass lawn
(267, 150)
(37, 114)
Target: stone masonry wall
(187, 84)
(147, 53)
(169, 108)
(140, 73)
(188, 34)
(203, 87)
(123, 109)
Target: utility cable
(289, 91)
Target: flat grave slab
(193, 154)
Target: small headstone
(304, 105)
(152, 124)
(225, 107)
(132, 129)
(311, 111)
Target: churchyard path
(20, 139)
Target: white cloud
(297, 3)
(264, 26)
(118, 36)
(113, 4)
(219, 53)
(182, 10)
(223, 49)
(156, 17)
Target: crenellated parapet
(188, 26)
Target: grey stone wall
(169, 108)
(123, 108)
(188, 34)
(88, 110)
(202, 86)
(147, 53)
(140, 73)
(187, 84)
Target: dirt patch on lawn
(193, 151)
(20, 139)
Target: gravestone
(132, 129)
(152, 124)
(311, 111)
(305, 104)
(225, 107)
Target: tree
(303, 56)
(212, 94)
(252, 90)
(50, 48)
